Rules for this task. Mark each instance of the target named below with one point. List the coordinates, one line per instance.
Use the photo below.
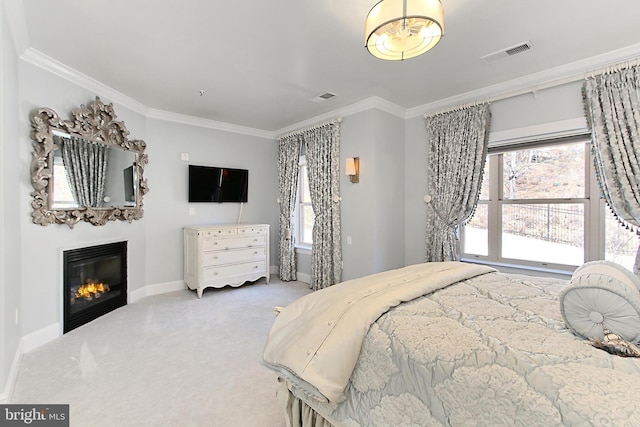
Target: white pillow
(602, 293)
(608, 268)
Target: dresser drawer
(253, 230)
(238, 255)
(220, 232)
(233, 243)
(213, 273)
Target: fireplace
(95, 282)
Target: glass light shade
(403, 29)
(350, 166)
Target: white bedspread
(317, 339)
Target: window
(540, 206)
(304, 211)
(64, 197)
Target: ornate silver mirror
(85, 169)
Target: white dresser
(220, 255)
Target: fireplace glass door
(95, 282)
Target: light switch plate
(184, 157)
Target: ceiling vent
(507, 52)
(323, 97)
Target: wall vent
(507, 52)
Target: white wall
(10, 236)
(166, 205)
(415, 189)
(373, 209)
(545, 106)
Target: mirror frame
(96, 122)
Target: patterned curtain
(322, 151)
(288, 166)
(612, 104)
(457, 150)
(85, 163)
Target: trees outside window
(540, 206)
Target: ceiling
(262, 63)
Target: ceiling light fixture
(403, 29)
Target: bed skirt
(296, 412)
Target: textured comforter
(317, 339)
(488, 351)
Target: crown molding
(206, 123)
(358, 107)
(552, 77)
(530, 83)
(47, 63)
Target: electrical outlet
(192, 211)
(348, 240)
(184, 157)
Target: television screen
(213, 184)
(129, 186)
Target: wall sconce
(352, 169)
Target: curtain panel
(322, 151)
(612, 107)
(457, 151)
(288, 169)
(85, 163)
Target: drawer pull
(255, 267)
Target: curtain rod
(316, 126)
(608, 69)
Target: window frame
(300, 204)
(594, 210)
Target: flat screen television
(220, 185)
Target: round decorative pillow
(602, 294)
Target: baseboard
(157, 289)
(27, 343)
(41, 336)
(13, 374)
(304, 278)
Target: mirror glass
(85, 168)
(107, 171)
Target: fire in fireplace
(95, 282)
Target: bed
(454, 344)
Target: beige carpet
(167, 360)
